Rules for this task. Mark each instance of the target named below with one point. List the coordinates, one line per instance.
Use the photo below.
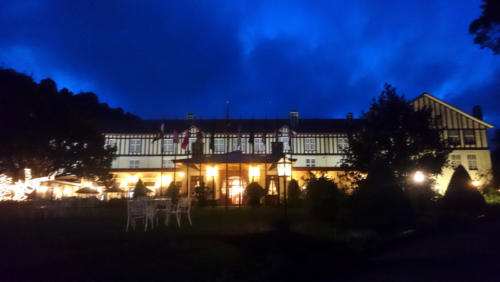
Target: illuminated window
(342, 144)
(456, 160)
(310, 162)
(135, 146)
(219, 144)
(134, 164)
(469, 137)
(243, 145)
(472, 162)
(259, 146)
(310, 144)
(168, 145)
(286, 143)
(453, 137)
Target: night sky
(323, 58)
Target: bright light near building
(437, 187)
(211, 171)
(418, 177)
(476, 183)
(284, 169)
(166, 180)
(253, 171)
(181, 174)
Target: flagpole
(161, 167)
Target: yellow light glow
(418, 177)
(57, 193)
(123, 184)
(165, 181)
(88, 184)
(476, 183)
(253, 171)
(68, 192)
(211, 171)
(42, 189)
(181, 174)
(437, 187)
(19, 191)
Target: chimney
(294, 118)
(190, 116)
(349, 116)
(477, 112)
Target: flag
(176, 137)
(161, 133)
(185, 142)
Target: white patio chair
(184, 207)
(173, 210)
(139, 209)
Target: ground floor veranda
(223, 178)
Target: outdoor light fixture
(476, 183)
(418, 177)
(211, 171)
(284, 169)
(181, 174)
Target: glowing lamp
(181, 174)
(211, 171)
(284, 169)
(418, 177)
(476, 183)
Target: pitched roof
(427, 95)
(234, 125)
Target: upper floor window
(168, 145)
(456, 160)
(286, 143)
(242, 146)
(310, 144)
(469, 137)
(310, 162)
(472, 162)
(133, 164)
(453, 137)
(342, 144)
(259, 146)
(135, 146)
(219, 145)
(111, 142)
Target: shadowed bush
(323, 198)
(254, 192)
(294, 193)
(173, 192)
(461, 198)
(379, 203)
(140, 190)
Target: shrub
(140, 189)
(254, 192)
(173, 192)
(422, 196)
(323, 197)
(461, 197)
(201, 194)
(294, 193)
(379, 203)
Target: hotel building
(228, 154)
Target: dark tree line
(486, 28)
(51, 131)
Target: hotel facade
(226, 155)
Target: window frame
(472, 162)
(135, 143)
(310, 147)
(136, 165)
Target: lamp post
(285, 169)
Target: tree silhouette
(392, 132)
(486, 28)
(52, 131)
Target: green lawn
(245, 244)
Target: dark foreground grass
(238, 244)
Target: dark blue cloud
(323, 58)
